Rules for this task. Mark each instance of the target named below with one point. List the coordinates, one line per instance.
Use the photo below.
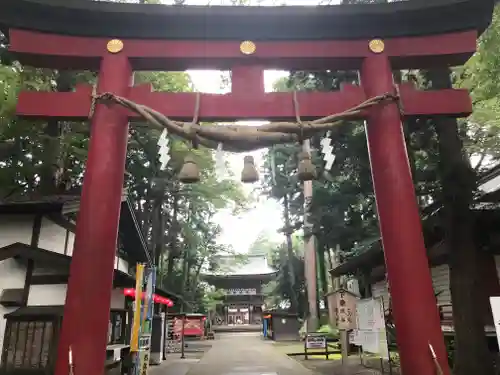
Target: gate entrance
(116, 39)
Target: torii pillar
(416, 316)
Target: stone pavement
(246, 354)
(234, 354)
(353, 367)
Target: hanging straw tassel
(190, 172)
(306, 169)
(249, 173)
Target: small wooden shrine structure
(193, 325)
(280, 326)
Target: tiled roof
(252, 265)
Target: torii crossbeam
(118, 39)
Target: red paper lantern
(130, 292)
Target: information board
(371, 334)
(370, 314)
(315, 342)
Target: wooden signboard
(344, 307)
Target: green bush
(329, 331)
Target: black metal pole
(182, 336)
(165, 338)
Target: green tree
(287, 285)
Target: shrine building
(242, 284)
(36, 250)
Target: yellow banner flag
(134, 340)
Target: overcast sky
(266, 216)
(240, 231)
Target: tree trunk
(158, 238)
(294, 303)
(195, 278)
(170, 268)
(458, 182)
(172, 235)
(159, 225)
(186, 261)
(322, 273)
(185, 277)
(330, 264)
(147, 218)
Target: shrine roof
(69, 203)
(150, 21)
(252, 266)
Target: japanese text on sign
(315, 342)
(241, 291)
(345, 310)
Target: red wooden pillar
(86, 312)
(415, 311)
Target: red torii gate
(117, 39)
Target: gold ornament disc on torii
(114, 46)
(248, 47)
(376, 45)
